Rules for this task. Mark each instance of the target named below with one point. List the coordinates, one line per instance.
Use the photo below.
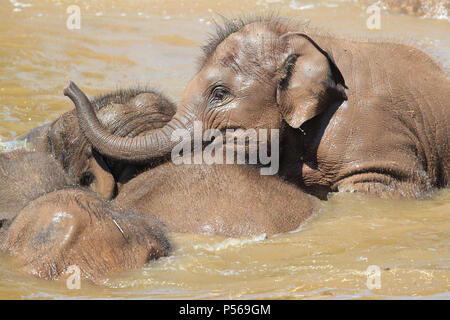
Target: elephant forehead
(60, 215)
(228, 52)
(59, 228)
(249, 49)
(108, 114)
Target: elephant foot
(73, 227)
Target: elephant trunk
(137, 149)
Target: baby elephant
(125, 112)
(76, 227)
(49, 225)
(227, 200)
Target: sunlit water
(124, 43)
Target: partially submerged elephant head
(75, 227)
(125, 113)
(255, 75)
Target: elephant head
(125, 113)
(258, 74)
(75, 227)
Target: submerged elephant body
(227, 200)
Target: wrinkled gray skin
(354, 116)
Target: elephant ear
(309, 81)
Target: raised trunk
(155, 144)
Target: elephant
(125, 112)
(225, 200)
(48, 223)
(353, 116)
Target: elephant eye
(219, 94)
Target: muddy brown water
(133, 42)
